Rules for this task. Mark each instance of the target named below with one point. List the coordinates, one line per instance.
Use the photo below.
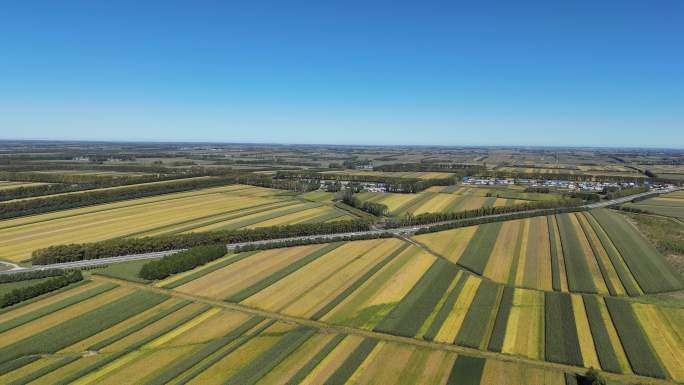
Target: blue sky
(596, 73)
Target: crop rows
(393, 287)
(231, 207)
(596, 253)
(156, 339)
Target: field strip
(379, 336)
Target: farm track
(400, 232)
(376, 335)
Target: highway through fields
(398, 232)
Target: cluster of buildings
(559, 184)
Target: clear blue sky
(600, 73)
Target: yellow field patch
(525, 327)
(336, 264)
(522, 255)
(153, 328)
(383, 365)
(229, 280)
(332, 361)
(386, 288)
(667, 344)
(537, 270)
(512, 373)
(214, 326)
(449, 244)
(586, 341)
(282, 373)
(401, 283)
(306, 303)
(438, 203)
(498, 266)
(188, 211)
(452, 324)
(232, 363)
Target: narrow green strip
(409, 315)
(49, 309)
(282, 273)
(599, 261)
(82, 326)
(477, 319)
(175, 369)
(44, 370)
(349, 290)
(17, 363)
(138, 344)
(266, 361)
(480, 247)
(315, 360)
(637, 345)
(204, 271)
(561, 343)
(499, 332)
(555, 269)
(513, 271)
(580, 278)
(220, 355)
(604, 348)
(466, 371)
(138, 326)
(444, 311)
(349, 366)
(626, 277)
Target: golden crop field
(231, 207)
(7, 185)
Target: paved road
(402, 231)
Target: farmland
(153, 338)
(596, 252)
(396, 288)
(670, 205)
(532, 300)
(450, 199)
(231, 207)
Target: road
(401, 232)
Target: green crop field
(670, 205)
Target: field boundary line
(376, 335)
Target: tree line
(33, 274)
(625, 192)
(509, 216)
(377, 209)
(123, 246)
(310, 241)
(458, 169)
(22, 294)
(181, 261)
(426, 218)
